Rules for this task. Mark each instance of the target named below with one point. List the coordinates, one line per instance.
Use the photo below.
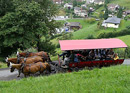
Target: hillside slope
(108, 80)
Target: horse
(28, 60)
(28, 69)
(43, 54)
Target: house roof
(113, 20)
(127, 11)
(99, 0)
(77, 8)
(91, 44)
(74, 24)
(112, 5)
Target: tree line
(25, 24)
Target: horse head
(6, 60)
(18, 54)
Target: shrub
(90, 20)
(114, 34)
(90, 37)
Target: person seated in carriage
(97, 54)
(91, 55)
(116, 56)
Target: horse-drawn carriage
(40, 61)
(93, 44)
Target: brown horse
(28, 60)
(28, 69)
(43, 54)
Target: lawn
(3, 65)
(114, 79)
(123, 3)
(126, 39)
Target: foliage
(120, 13)
(108, 79)
(90, 37)
(6, 6)
(24, 27)
(90, 20)
(114, 34)
(106, 12)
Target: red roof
(91, 44)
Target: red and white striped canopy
(91, 44)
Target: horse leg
(19, 72)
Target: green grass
(3, 65)
(115, 79)
(126, 39)
(123, 3)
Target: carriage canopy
(91, 44)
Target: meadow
(106, 80)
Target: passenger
(91, 54)
(97, 54)
(103, 54)
(110, 53)
(116, 56)
(65, 53)
(72, 55)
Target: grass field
(114, 79)
(123, 3)
(3, 65)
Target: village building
(73, 25)
(127, 12)
(57, 1)
(99, 2)
(77, 10)
(113, 7)
(112, 22)
(68, 5)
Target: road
(6, 75)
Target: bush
(90, 37)
(90, 20)
(114, 34)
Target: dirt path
(6, 75)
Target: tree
(6, 6)
(120, 13)
(24, 27)
(106, 12)
(75, 3)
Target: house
(99, 2)
(113, 7)
(68, 5)
(89, 1)
(57, 1)
(83, 13)
(112, 22)
(73, 25)
(77, 10)
(127, 12)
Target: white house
(113, 7)
(99, 2)
(77, 10)
(112, 22)
(68, 5)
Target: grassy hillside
(124, 3)
(109, 80)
